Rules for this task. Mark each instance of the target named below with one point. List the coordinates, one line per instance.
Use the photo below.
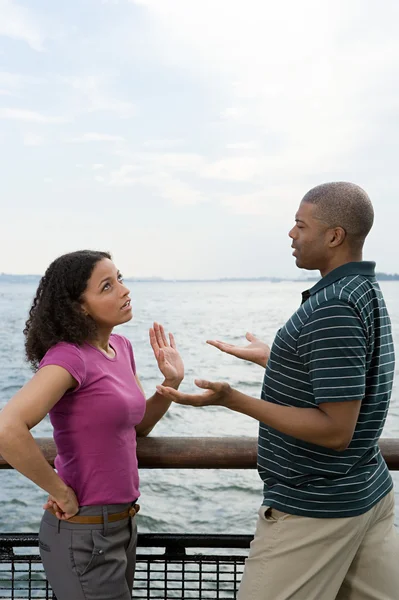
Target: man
(326, 527)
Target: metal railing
(202, 452)
(195, 567)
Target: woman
(86, 380)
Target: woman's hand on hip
(64, 507)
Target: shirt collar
(365, 268)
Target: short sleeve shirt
(94, 424)
(336, 347)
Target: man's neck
(338, 261)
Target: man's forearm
(307, 424)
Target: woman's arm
(156, 406)
(25, 410)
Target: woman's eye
(120, 277)
(106, 287)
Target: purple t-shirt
(94, 424)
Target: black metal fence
(195, 567)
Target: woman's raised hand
(256, 351)
(168, 358)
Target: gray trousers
(89, 562)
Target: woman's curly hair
(56, 314)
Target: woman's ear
(80, 307)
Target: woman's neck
(102, 341)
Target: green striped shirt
(336, 347)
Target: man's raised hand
(256, 351)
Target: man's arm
(329, 425)
(332, 347)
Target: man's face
(309, 238)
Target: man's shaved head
(346, 205)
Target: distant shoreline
(11, 278)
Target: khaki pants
(302, 558)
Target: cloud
(17, 23)
(178, 192)
(309, 86)
(95, 137)
(164, 174)
(232, 113)
(263, 203)
(32, 139)
(163, 144)
(97, 166)
(125, 175)
(12, 84)
(242, 146)
(94, 95)
(238, 168)
(19, 114)
(17, 80)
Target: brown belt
(97, 520)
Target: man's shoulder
(353, 290)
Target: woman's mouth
(126, 306)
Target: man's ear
(337, 236)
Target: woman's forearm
(156, 406)
(20, 450)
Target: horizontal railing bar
(149, 540)
(203, 452)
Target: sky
(181, 135)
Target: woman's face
(106, 298)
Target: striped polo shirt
(336, 347)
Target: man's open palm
(256, 351)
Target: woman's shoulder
(69, 356)
(64, 352)
(120, 340)
(66, 348)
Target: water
(191, 501)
